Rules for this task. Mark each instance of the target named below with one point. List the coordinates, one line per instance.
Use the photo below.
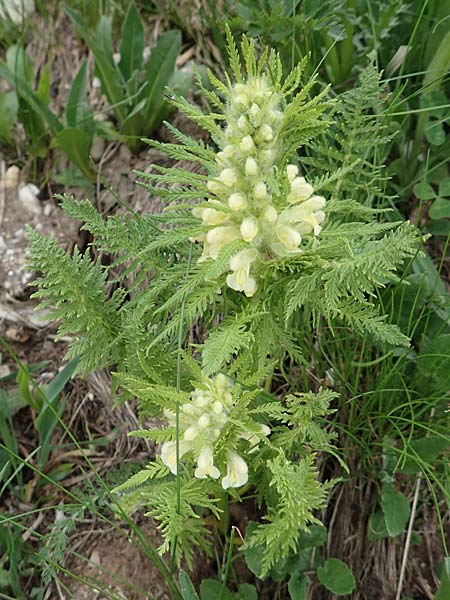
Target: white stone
(28, 196)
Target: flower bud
(199, 400)
(301, 190)
(249, 229)
(270, 214)
(197, 212)
(213, 217)
(260, 191)
(237, 202)
(247, 144)
(229, 150)
(191, 433)
(228, 177)
(221, 158)
(213, 186)
(266, 133)
(242, 122)
(203, 422)
(251, 167)
(222, 235)
(221, 381)
(241, 100)
(265, 429)
(254, 111)
(217, 407)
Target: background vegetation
(81, 83)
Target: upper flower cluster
(201, 421)
(250, 198)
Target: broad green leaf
(76, 145)
(424, 191)
(132, 46)
(439, 65)
(179, 84)
(159, 69)
(246, 591)
(9, 106)
(43, 89)
(440, 227)
(25, 92)
(432, 100)
(440, 209)
(50, 412)
(211, 589)
(34, 126)
(444, 187)
(103, 36)
(298, 586)
(18, 63)
(254, 557)
(186, 587)
(425, 268)
(336, 577)
(433, 362)
(315, 537)
(104, 64)
(76, 97)
(427, 449)
(395, 508)
(377, 527)
(443, 592)
(435, 133)
(56, 386)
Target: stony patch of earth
(116, 565)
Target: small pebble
(28, 195)
(11, 178)
(98, 148)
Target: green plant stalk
(332, 58)
(228, 564)
(177, 410)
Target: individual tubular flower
(237, 471)
(271, 211)
(201, 421)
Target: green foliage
(136, 314)
(336, 577)
(444, 588)
(134, 87)
(31, 108)
(395, 508)
(86, 313)
(288, 511)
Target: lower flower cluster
(201, 421)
